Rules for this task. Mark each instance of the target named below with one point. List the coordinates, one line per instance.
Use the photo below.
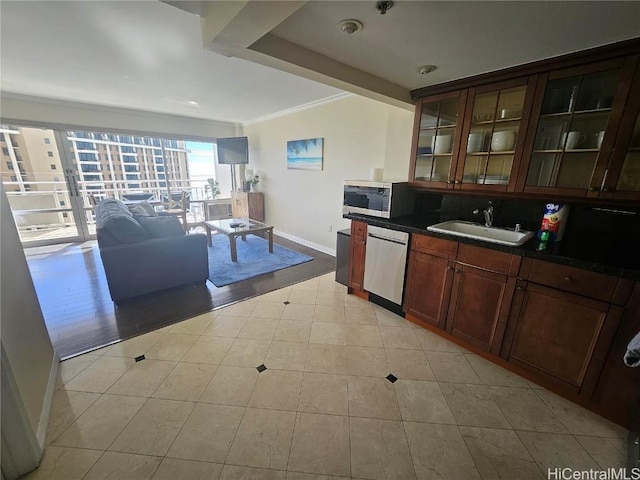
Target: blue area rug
(253, 259)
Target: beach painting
(305, 154)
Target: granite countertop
(578, 255)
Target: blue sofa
(142, 252)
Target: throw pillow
(126, 229)
(143, 209)
(157, 227)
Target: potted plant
(252, 182)
(211, 188)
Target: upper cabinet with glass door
(436, 140)
(579, 114)
(492, 142)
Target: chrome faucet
(488, 214)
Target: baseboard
(41, 434)
(306, 243)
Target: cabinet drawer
(575, 280)
(434, 246)
(358, 230)
(493, 260)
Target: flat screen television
(233, 150)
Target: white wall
(34, 111)
(358, 133)
(32, 360)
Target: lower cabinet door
(356, 263)
(562, 336)
(428, 288)
(479, 307)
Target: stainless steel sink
(502, 236)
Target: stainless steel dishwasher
(385, 263)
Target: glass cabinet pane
(492, 138)
(630, 175)
(575, 112)
(438, 122)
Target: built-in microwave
(378, 199)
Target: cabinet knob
(458, 182)
(605, 189)
(449, 267)
(450, 182)
(593, 189)
(519, 287)
(458, 271)
(568, 278)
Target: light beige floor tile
(154, 427)
(207, 434)
(438, 451)
(320, 445)
(124, 466)
(72, 367)
(100, 375)
(268, 310)
(309, 285)
(324, 393)
(277, 389)
(364, 335)
(263, 439)
(287, 356)
(492, 374)
(413, 397)
(329, 284)
(551, 450)
(332, 299)
(136, 346)
(226, 326)
(305, 297)
(387, 318)
(208, 349)
(259, 328)
(329, 314)
(608, 452)
(326, 359)
(280, 295)
(143, 378)
(171, 347)
(240, 309)
(432, 342)
(372, 398)
(194, 326)
(409, 364)
(365, 361)
(186, 382)
(66, 406)
(578, 420)
(360, 315)
(472, 405)
(298, 312)
(293, 331)
(452, 367)
(355, 301)
(234, 472)
(101, 423)
(328, 333)
(499, 454)
(524, 410)
(177, 469)
(312, 476)
(399, 337)
(231, 386)
(62, 463)
(247, 352)
(379, 450)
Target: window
(10, 165)
(5, 150)
(62, 203)
(47, 141)
(85, 146)
(53, 166)
(14, 178)
(50, 154)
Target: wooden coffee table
(238, 227)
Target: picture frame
(306, 154)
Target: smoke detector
(349, 27)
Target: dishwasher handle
(385, 239)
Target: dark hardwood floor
(80, 316)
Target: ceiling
(240, 61)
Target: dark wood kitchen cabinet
(563, 322)
(357, 255)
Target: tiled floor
(197, 408)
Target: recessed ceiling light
(424, 69)
(349, 27)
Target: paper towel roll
(376, 174)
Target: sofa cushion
(113, 216)
(157, 227)
(142, 209)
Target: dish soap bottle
(554, 221)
